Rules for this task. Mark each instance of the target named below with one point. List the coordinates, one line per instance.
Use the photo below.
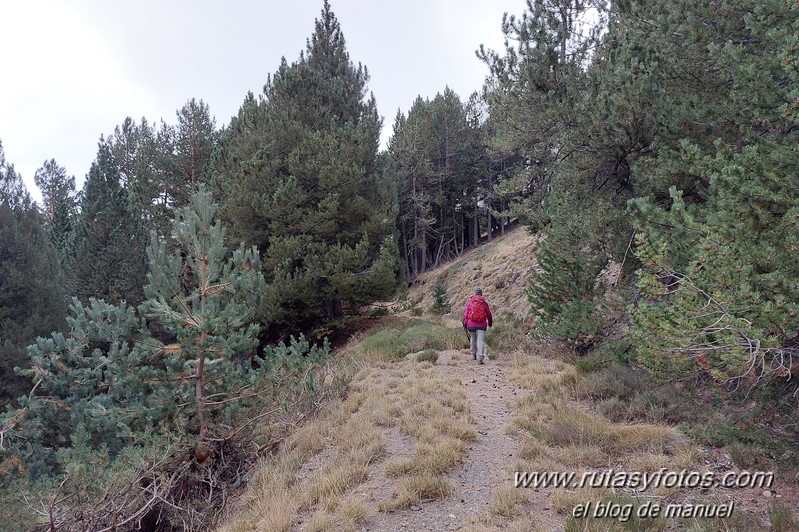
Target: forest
(198, 278)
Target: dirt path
(488, 462)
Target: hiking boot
(474, 356)
(480, 361)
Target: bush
(378, 312)
(507, 334)
(441, 303)
(613, 381)
(628, 394)
(566, 291)
(782, 519)
(429, 355)
(395, 342)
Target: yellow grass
(506, 500)
(320, 522)
(575, 456)
(351, 511)
(531, 448)
(411, 490)
(561, 425)
(429, 458)
(649, 462)
(413, 397)
(334, 480)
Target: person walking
(476, 319)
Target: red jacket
(477, 300)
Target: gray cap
(478, 292)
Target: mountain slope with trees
(192, 284)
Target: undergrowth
(393, 343)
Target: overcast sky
(72, 71)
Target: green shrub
(615, 380)
(578, 323)
(507, 334)
(591, 363)
(441, 303)
(395, 342)
(782, 519)
(565, 293)
(430, 355)
(379, 311)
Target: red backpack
(477, 311)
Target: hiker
(476, 318)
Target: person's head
(478, 292)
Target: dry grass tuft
(506, 500)
(429, 458)
(532, 411)
(307, 440)
(277, 518)
(688, 456)
(564, 426)
(574, 456)
(351, 511)
(411, 490)
(531, 448)
(269, 503)
(320, 522)
(334, 479)
(459, 427)
(648, 462)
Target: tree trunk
(423, 249)
(460, 230)
(335, 307)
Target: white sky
(72, 71)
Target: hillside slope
(502, 268)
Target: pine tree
(31, 296)
(143, 159)
(720, 270)
(310, 196)
(411, 153)
(156, 399)
(58, 191)
(12, 189)
(438, 162)
(60, 205)
(207, 302)
(532, 92)
(195, 139)
(554, 120)
(185, 154)
(108, 259)
(565, 295)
